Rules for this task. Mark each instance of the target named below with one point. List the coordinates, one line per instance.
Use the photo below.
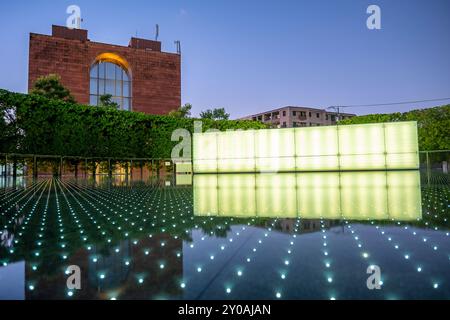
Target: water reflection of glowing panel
(374, 195)
(376, 146)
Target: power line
(393, 103)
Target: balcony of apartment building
(273, 118)
(299, 115)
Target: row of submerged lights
(134, 202)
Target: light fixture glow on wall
(377, 146)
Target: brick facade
(156, 75)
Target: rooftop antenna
(157, 32)
(178, 45)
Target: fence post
(109, 168)
(131, 169)
(35, 167)
(93, 168)
(6, 166)
(60, 167)
(14, 168)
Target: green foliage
(52, 127)
(51, 87)
(215, 114)
(107, 102)
(433, 125)
(182, 112)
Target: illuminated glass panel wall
(332, 148)
(368, 195)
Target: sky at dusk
(251, 56)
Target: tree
(182, 112)
(215, 114)
(106, 101)
(51, 87)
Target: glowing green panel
(362, 161)
(317, 163)
(402, 145)
(183, 167)
(401, 137)
(205, 152)
(333, 148)
(236, 151)
(274, 150)
(361, 139)
(316, 148)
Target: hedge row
(37, 125)
(433, 125)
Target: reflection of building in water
(7, 236)
(115, 271)
(304, 226)
(376, 195)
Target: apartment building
(292, 117)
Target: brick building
(140, 77)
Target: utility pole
(338, 111)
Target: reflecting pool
(227, 236)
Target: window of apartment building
(294, 113)
(318, 115)
(326, 117)
(284, 124)
(284, 113)
(310, 115)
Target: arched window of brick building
(109, 75)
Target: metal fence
(13, 165)
(433, 164)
